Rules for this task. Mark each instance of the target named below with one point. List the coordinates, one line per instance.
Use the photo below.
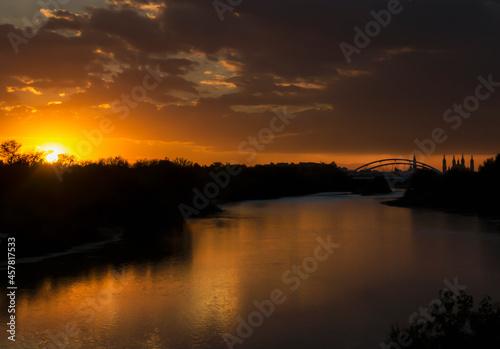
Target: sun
(55, 149)
(52, 157)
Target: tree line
(139, 198)
(457, 189)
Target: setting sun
(52, 157)
(55, 149)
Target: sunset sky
(220, 79)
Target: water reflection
(189, 291)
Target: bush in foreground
(455, 324)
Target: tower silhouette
(458, 164)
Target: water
(391, 261)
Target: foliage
(457, 189)
(9, 151)
(455, 324)
(116, 161)
(145, 196)
(183, 162)
(66, 160)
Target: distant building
(413, 166)
(458, 165)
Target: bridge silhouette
(414, 164)
(396, 178)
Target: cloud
(223, 75)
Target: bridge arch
(387, 162)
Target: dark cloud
(272, 53)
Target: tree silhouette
(34, 157)
(9, 150)
(66, 160)
(116, 161)
(182, 162)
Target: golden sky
(169, 78)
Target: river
(320, 271)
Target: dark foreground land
(47, 210)
(457, 321)
(458, 191)
(147, 204)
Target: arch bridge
(396, 177)
(414, 164)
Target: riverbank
(492, 217)
(50, 214)
(390, 262)
(47, 215)
(457, 191)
